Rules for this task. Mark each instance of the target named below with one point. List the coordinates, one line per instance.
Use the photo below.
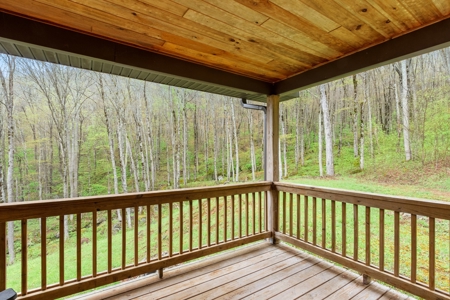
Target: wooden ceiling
(261, 39)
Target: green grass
(355, 183)
(14, 272)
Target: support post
(272, 160)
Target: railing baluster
(344, 229)
(284, 212)
(200, 224)
(254, 212)
(170, 229)
(136, 235)
(209, 221)
(225, 208)
(355, 232)
(240, 215)
(367, 235)
(260, 194)
(266, 211)
(233, 198)
(314, 220)
(61, 250)
(110, 239)
(159, 231)
(160, 271)
(191, 230)
(291, 208)
(181, 227)
(124, 238)
(324, 223)
(148, 228)
(432, 254)
(396, 243)
(78, 247)
(298, 216)
(333, 226)
(381, 258)
(43, 254)
(413, 248)
(247, 221)
(94, 243)
(306, 217)
(24, 251)
(2, 256)
(217, 220)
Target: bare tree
(236, 141)
(327, 132)
(320, 143)
(354, 114)
(7, 74)
(403, 74)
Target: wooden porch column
(272, 160)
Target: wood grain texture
(48, 208)
(431, 208)
(268, 40)
(400, 282)
(256, 272)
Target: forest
(67, 132)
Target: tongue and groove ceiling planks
(269, 41)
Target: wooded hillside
(67, 132)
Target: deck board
(351, 289)
(257, 272)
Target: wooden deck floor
(258, 272)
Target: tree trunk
(133, 165)
(252, 145)
(150, 140)
(361, 127)
(405, 110)
(354, 114)
(196, 144)
(283, 137)
(110, 141)
(328, 132)
(8, 89)
(185, 141)
(123, 164)
(320, 143)
(236, 142)
(369, 117)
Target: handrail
(47, 208)
(164, 220)
(327, 221)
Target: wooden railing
(167, 228)
(403, 242)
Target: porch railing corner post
(272, 161)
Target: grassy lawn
(371, 186)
